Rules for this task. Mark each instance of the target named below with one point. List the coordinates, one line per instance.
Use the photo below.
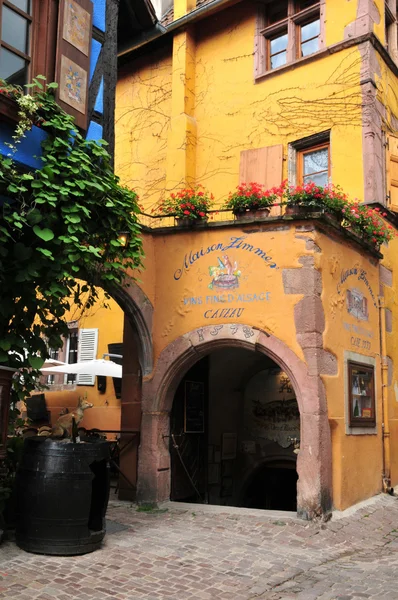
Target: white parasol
(51, 362)
(99, 366)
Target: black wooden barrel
(62, 492)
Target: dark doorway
(273, 487)
(233, 410)
(188, 436)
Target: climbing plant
(59, 225)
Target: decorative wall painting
(357, 304)
(73, 84)
(77, 26)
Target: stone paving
(193, 552)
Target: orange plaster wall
(357, 459)
(185, 302)
(105, 413)
(390, 261)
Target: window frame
(42, 47)
(279, 32)
(300, 160)
(54, 355)
(391, 28)
(298, 27)
(292, 24)
(26, 56)
(360, 421)
(72, 331)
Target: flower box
(260, 213)
(189, 206)
(293, 209)
(251, 198)
(188, 222)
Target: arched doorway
(233, 411)
(314, 487)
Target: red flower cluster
(253, 196)
(368, 222)
(192, 203)
(311, 194)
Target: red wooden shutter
(262, 165)
(73, 57)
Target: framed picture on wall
(362, 408)
(194, 407)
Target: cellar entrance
(234, 433)
(273, 486)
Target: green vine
(59, 225)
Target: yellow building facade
(281, 390)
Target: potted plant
(304, 198)
(190, 205)
(251, 200)
(367, 222)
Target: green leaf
(44, 234)
(5, 345)
(36, 361)
(46, 253)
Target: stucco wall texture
(184, 112)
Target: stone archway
(314, 464)
(137, 362)
(138, 310)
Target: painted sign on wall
(357, 302)
(225, 277)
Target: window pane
(318, 178)
(362, 393)
(72, 354)
(13, 68)
(22, 4)
(306, 3)
(277, 13)
(310, 30)
(278, 44)
(278, 60)
(316, 161)
(309, 47)
(14, 30)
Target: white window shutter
(88, 343)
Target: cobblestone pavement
(188, 552)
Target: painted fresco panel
(76, 29)
(73, 84)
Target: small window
(288, 30)
(54, 354)
(73, 342)
(302, 4)
(15, 55)
(391, 29)
(277, 51)
(309, 38)
(277, 12)
(314, 165)
(362, 411)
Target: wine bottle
(356, 409)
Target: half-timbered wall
(97, 120)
